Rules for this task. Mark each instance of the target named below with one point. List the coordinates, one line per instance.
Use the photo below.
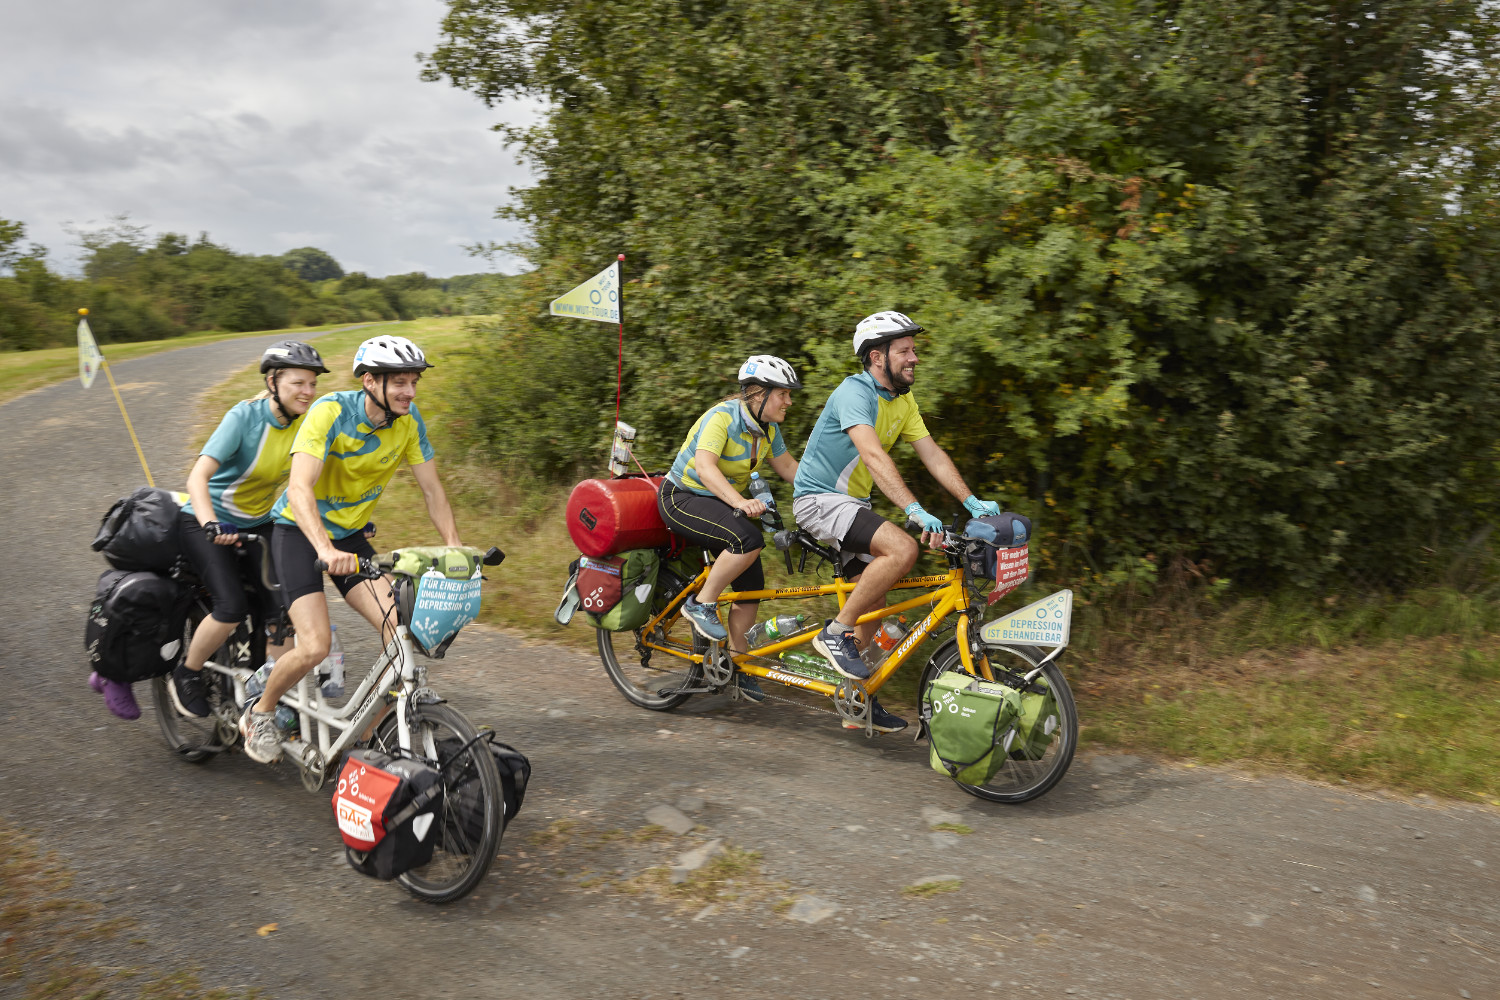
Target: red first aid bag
(385, 807)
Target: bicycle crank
(718, 668)
(853, 704)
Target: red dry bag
(606, 516)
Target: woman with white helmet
(705, 491)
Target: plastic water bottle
(808, 664)
(885, 640)
(333, 687)
(256, 685)
(773, 629)
(286, 720)
(760, 491)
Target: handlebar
(370, 569)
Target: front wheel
(1023, 776)
(470, 814)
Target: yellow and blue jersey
(254, 453)
(358, 460)
(831, 462)
(730, 432)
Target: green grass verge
(1378, 691)
(22, 371)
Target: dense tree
(312, 264)
(1205, 282)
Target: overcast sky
(270, 125)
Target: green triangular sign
(1045, 623)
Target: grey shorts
(848, 522)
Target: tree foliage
(137, 288)
(1205, 283)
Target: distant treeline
(140, 288)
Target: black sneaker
(884, 722)
(836, 643)
(187, 692)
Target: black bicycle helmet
(292, 354)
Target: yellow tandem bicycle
(671, 663)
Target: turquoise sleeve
(228, 436)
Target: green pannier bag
(1037, 724)
(637, 584)
(972, 725)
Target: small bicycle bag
(140, 531)
(623, 585)
(135, 626)
(972, 726)
(996, 548)
(385, 809)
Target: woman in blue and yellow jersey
(239, 474)
(707, 485)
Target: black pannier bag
(140, 531)
(386, 811)
(136, 624)
(464, 822)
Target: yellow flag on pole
(90, 360)
(596, 299)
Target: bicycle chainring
(313, 768)
(718, 668)
(853, 704)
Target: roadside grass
(46, 937)
(1377, 690)
(22, 371)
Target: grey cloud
(266, 125)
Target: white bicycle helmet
(383, 355)
(769, 370)
(881, 328)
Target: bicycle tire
(192, 739)
(459, 863)
(644, 685)
(1020, 780)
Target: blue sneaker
(836, 643)
(705, 620)
(750, 688)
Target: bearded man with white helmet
(847, 455)
(350, 445)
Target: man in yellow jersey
(846, 457)
(349, 447)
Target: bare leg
(741, 619)
(309, 614)
(373, 600)
(727, 566)
(895, 554)
(207, 637)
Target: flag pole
(83, 321)
(620, 354)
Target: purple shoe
(96, 682)
(120, 699)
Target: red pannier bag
(608, 516)
(600, 585)
(383, 805)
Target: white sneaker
(262, 741)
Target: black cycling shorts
(219, 567)
(295, 560)
(712, 524)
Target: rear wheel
(1022, 777)
(470, 814)
(651, 679)
(196, 740)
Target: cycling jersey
(730, 432)
(358, 460)
(831, 462)
(254, 456)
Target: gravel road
(1132, 879)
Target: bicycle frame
(395, 677)
(948, 597)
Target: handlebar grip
(320, 566)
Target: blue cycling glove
(928, 522)
(980, 508)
